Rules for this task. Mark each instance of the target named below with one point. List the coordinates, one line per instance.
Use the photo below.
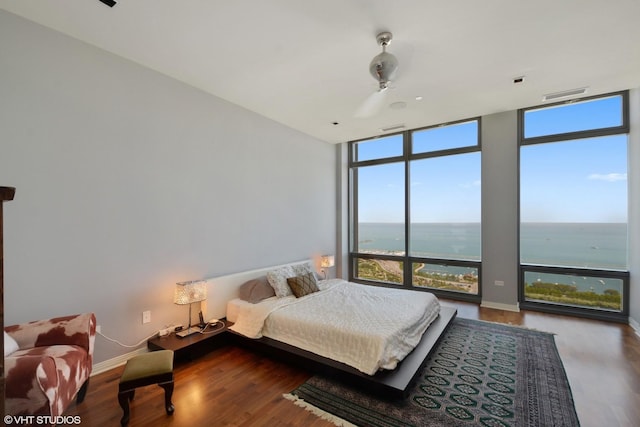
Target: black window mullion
(353, 215)
(408, 278)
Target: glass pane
(573, 203)
(445, 207)
(592, 114)
(381, 270)
(381, 209)
(581, 291)
(381, 238)
(449, 277)
(445, 137)
(586, 245)
(379, 148)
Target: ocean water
(586, 245)
(458, 241)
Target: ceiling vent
(564, 94)
(394, 127)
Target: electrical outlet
(99, 329)
(499, 283)
(146, 316)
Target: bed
(389, 332)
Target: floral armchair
(51, 366)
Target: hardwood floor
(231, 386)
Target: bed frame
(389, 383)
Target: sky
(572, 181)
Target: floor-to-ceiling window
(415, 209)
(573, 207)
(380, 209)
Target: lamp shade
(190, 292)
(327, 261)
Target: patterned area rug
(480, 373)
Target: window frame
(558, 308)
(582, 134)
(407, 157)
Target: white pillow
(10, 345)
(302, 269)
(278, 280)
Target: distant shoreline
(392, 272)
(582, 245)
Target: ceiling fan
(383, 68)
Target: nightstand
(193, 345)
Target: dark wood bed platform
(387, 383)
(391, 384)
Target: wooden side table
(192, 345)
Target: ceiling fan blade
(371, 105)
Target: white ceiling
(305, 63)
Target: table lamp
(188, 293)
(326, 261)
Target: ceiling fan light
(383, 68)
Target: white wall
(128, 181)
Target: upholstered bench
(150, 368)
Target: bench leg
(123, 398)
(82, 392)
(168, 392)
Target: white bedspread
(367, 327)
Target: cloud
(609, 177)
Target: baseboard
(106, 365)
(635, 325)
(500, 306)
